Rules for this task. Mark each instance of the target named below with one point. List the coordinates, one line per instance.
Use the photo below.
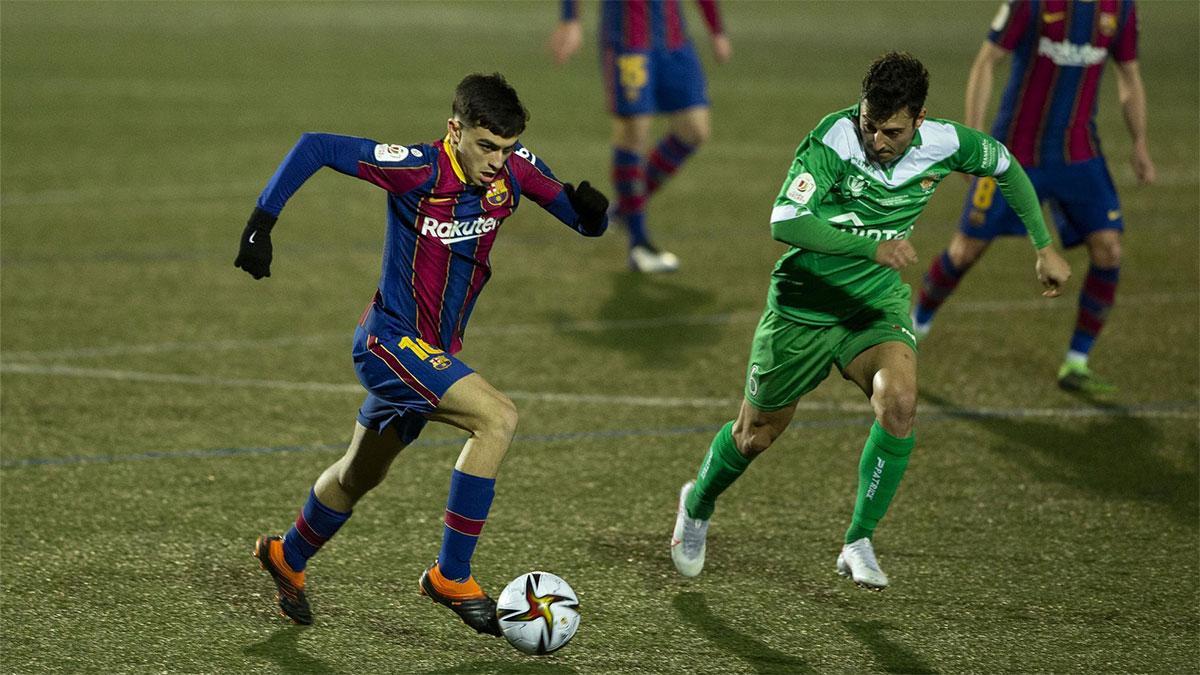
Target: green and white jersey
(832, 179)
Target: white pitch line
(121, 194)
(599, 399)
(586, 326)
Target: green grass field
(160, 409)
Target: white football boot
(857, 561)
(649, 260)
(921, 329)
(687, 542)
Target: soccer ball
(538, 612)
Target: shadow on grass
(1114, 456)
(639, 301)
(894, 657)
(693, 609)
(533, 664)
(283, 650)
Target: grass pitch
(160, 409)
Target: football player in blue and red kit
(447, 201)
(649, 68)
(1047, 118)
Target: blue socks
(466, 512)
(314, 526)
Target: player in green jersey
(846, 209)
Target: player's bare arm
(979, 83)
(1132, 95)
(979, 86)
(722, 48)
(566, 40)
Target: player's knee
(896, 409)
(501, 419)
(695, 135)
(1106, 254)
(964, 252)
(751, 440)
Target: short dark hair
(489, 101)
(895, 80)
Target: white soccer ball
(538, 612)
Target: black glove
(591, 205)
(254, 251)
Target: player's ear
(920, 118)
(454, 128)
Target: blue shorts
(654, 81)
(1081, 196)
(405, 378)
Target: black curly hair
(489, 101)
(895, 80)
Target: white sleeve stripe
(787, 212)
(1002, 162)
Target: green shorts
(788, 359)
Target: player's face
(886, 141)
(480, 153)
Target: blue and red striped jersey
(1048, 111)
(440, 229)
(642, 25)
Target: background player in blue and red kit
(1047, 119)
(447, 202)
(649, 67)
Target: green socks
(722, 466)
(884, 459)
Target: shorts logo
(1114, 214)
(856, 185)
(391, 153)
(439, 362)
(497, 193)
(802, 188)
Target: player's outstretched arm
(310, 153)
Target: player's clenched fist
(254, 250)
(1053, 271)
(895, 253)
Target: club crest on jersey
(928, 182)
(1108, 24)
(856, 185)
(497, 193)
